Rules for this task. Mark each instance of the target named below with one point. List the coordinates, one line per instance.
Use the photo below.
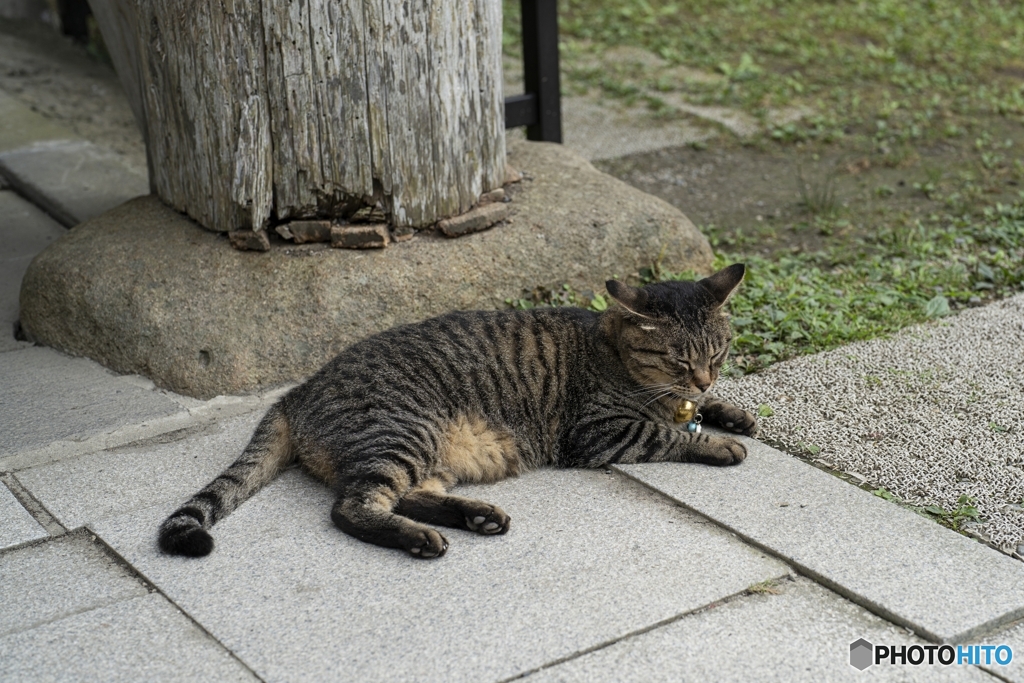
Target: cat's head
(674, 334)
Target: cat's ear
(723, 283)
(632, 298)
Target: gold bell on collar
(686, 411)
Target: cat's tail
(268, 453)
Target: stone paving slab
(802, 634)
(590, 557)
(944, 586)
(11, 272)
(142, 639)
(22, 126)
(98, 485)
(48, 397)
(1014, 637)
(45, 582)
(600, 129)
(25, 231)
(17, 526)
(73, 180)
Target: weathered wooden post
(260, 112)
(262, 115)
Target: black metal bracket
(540, 107)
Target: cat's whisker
(650, 388)
(656, 384)
(658, 397)
(654, 394)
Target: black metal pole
(540, 67)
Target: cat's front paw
(728, 416)
(740, 421)
(721, 451)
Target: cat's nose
(703, 386)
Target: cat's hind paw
(429, 545)
(489, 522)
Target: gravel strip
(931, 413)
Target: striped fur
(397, 419)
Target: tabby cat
(397, 419)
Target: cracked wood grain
(261, 112)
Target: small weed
(566, 295)
(818, 197)
(767, 587)
(998, 428)
(886, 494)
(744, 71)
(937, 307)
(965, 511)
(808, 448)
(765, 410)
(928, 189)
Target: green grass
(917, 270)
(890, 83)
(901, 71)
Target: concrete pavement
(763, 572)
(649, 573)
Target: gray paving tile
(48, 396)
(909, 569)
(73, 180)
(90, 487)
(142, 639)
(590, 557)
(16, 524)
(25, 231)
(9, 343)
(11, 273)
(22, 126)
(49, 581)
(1014, 637)
(802, 634)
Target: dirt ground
(757, 196)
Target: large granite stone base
(144, 289)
